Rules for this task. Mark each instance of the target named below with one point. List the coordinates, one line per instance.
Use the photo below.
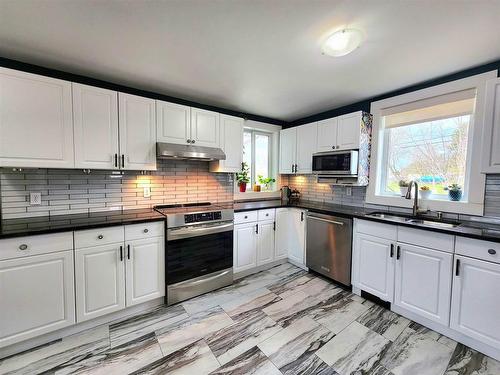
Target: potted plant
(267, 182)
(425, 192)
(403, 187)
(243, 178)
(454, 192)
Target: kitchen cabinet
(36, 286)
(423, 282)
(231, 142)
(297, 146)
(340, 133)
(95, 116)
(291, 235)
(127, 269)
(137, 118)
(245, 246)
(327, 134)
(281, 236)
(265, 242)
(475, 306)
(204, 127)
(36, 124)
(491, 132)
(173, 123)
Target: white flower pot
(425, 194)
(403, 190)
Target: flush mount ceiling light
(342, 42)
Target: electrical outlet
(147, 192)
(35, 199)
(348, 190)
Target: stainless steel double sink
(414, 220)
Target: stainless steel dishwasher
(329, 246)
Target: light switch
(35, 199)
(348, 190)
(147, 192)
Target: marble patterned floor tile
(246, 332)
(292, 346)
(341, 314)
(255, 281)
(193, 329)
(251, 303)
(290, 308)
(162, 317)
(311, 365)
(68, 350)
(416, 352)
(291, 284)
(195, 358)
(356, 349)
(285, 270)
(384, 322)
(252, 362)
(467, 361)
(123, 359)
(209, 300)
(429, 333)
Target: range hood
(175, 151)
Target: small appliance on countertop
(199, 255)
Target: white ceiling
(259, 56)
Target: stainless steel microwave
(336, 163)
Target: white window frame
(254, 132)
(475, 180)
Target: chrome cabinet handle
(128, 251)
(23, 247)
(333, 147)
(392, 250)
(193, 141)
(188, 141)
(123, 160)
(492, 251)
(100, 237)
(146, 230)
(116, 160)
(457, 268)
(121, 253)
(246, 217)
(325, 220)
(398, 255)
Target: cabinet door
(245, 247)
(37, 296)
(145, 270)
(173, 123)
(491, 133)
(375, 265)
(36, 125)
(306, 146)
(100, 281)
(348, 130)
(475, 307)
(265, 242)
(327, 135)
(231, 135)
(297, 244)
(204, 128)
(423, 282)
(137, 120)
(282, 233)
(288, 148)
(95, 116)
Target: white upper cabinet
(306, 146)
(137, 117)
(95, 116)
(491, 135)
(204, 128)
(288, 150)
(231, 142)
(348, 131)
(327, 135)
(173, 123)
(36, 126)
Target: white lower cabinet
(245, 247)
(290, 240)
(36, 295)
(423, 282)
(475, 307)
(265, 242)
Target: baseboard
(260, 268)
(56, 335)
(298, 264)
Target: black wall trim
(365, 104)
(36, 69)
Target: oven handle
(187, 232)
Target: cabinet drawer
(479, 249)
(145, 230)
(35, 245)
(425, 238)
(266, 214)
(245, 217)
(373, 228)
(96, 237)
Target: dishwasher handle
(325, 220)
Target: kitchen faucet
(415, 199)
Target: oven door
(198, 250)
(341, 163)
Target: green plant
(403, 183)
(243, 177)
(266, 181)
(453, 187)
(425, 188)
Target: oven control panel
(203, 216)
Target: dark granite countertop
(475, 229)
(62, 223)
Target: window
(427, 141)
(257, 154)
(432, 136)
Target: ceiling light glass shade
(342, 42)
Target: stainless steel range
(199, 249)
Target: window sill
(252, 195)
